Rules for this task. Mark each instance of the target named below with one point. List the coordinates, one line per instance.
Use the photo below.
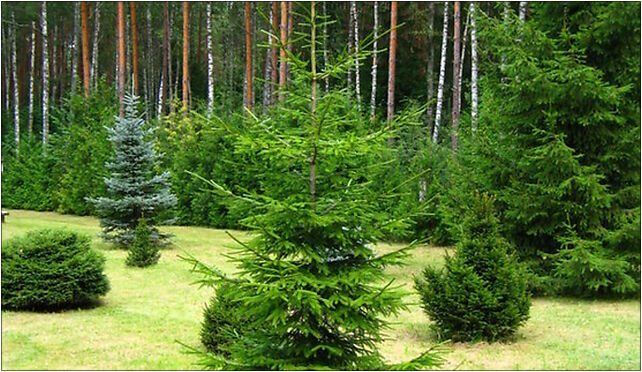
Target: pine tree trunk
(357, 80)
(442, 75)
(325, 47)
(148, 64)
(473, 67)
(283, 61)
(392, 60)
(248, 56)
(289, 38)
(128, 53)
(170, 85)
(94, 55)
(74, 46)
(462, 59)
(163, 87)
(373, 92)
(121, 58)
(210, 59)
(456, 60)
(45, 75)
(85, 47)
(523, 7)
(274, 58)
(16, 95)
(267, 72)
(185, 55)
(132, 10)
(32, 73)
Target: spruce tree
(143, 251)
(134, 188)
(481, 292)
(311, 286)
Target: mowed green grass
(148, 310)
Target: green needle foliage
(481, 292)
(49, 270)
(143, 252)
(134, 188)
(310, 284)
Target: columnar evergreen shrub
(481, 291)
(143, 252)
(134, 188)
(51, 269)
(311, 285)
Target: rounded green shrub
(51, 269)
(222, 319)
(143, 252)
(481, 292)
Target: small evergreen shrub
(143, 252)
(223, 322)
(51, 269)
(481, 292)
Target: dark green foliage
(481, 292)
(134, 188)
(223, 321)
(143, 252)
(51, 269)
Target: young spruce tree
(134, 188)
(311, 289)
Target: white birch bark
(210, 59)
(473, 68)
(74, 46)
(268, 67)
(159, 109)
(442, 74)
(523, 6)
(45, 75)
(357, 80)
(373, 93)
(93, 71)
(32, 65)
(16, 95)
(325, 49)
(462, 59)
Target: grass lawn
(148, 309)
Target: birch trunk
(210, 59)
(248, 55)
(523, 7)
(392, 60)
(456, 61)
(45, 75)
(85, 47)
(473, 68)
(442, 74)
(94, 55)
(274, 59)
(267, 73)
(357, 80)
(16, 95)
(185, 56)
(325, 48)
(74, 46)
(373, 93)
(32, 73)
(121, 58)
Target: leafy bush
(51, 269)
(223, 322)
(481, 292)
(143, 251)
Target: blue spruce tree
(134, 189)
